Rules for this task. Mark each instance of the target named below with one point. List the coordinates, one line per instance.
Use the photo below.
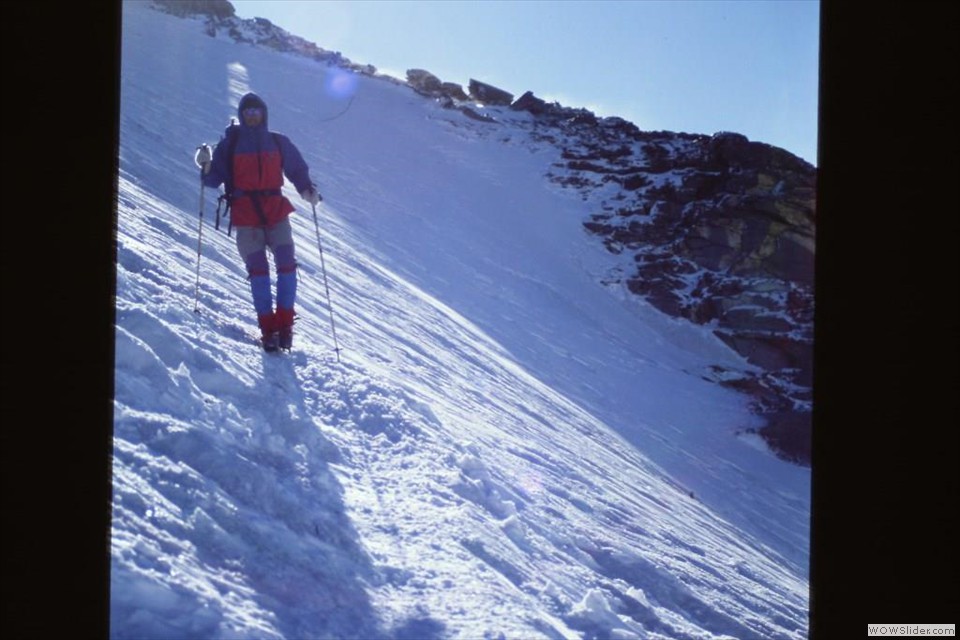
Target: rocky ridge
(716, 229)
(720, 231)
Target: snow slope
(506, 448)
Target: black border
(61, 114)
(885, 398)
(885, 437)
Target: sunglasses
(253, 111)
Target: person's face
(252, 116)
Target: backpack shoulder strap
(276, 140)
(230, 138)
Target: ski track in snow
(504, 451)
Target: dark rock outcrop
(488, 94)
(722, 233)
(531, 103)
(213, 8)
(454, 91)
(424, 82)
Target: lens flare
(341, 83)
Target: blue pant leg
(251, 242)
(280, 239)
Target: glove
(203, 158)
(311, 195)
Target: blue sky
(749, 66)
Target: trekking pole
(323, 268)
(202, 158)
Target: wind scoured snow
(507, 449)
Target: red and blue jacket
(254, 176)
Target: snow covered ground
(506, 448)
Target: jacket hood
(251, 100)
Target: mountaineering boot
(269, 335)
(284, 319)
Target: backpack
(224, 201)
